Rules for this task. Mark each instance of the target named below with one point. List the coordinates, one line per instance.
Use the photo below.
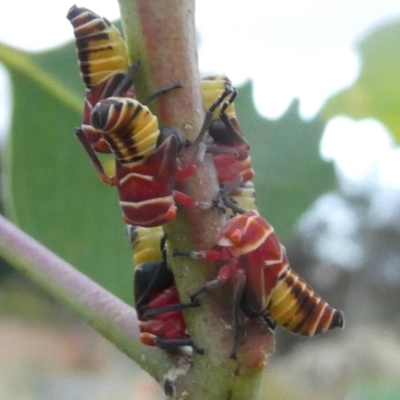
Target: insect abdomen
(294, 306)
(101, 50)
(145, 244)
(211, 88)
(128, 126)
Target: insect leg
(268, 320)
(195, 152)
(160, 92)
(223, 196)
(224, 118)
(173, 343)
(109, 180)
(152, 312)
(127, 80)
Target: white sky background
(289, 48)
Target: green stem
(161, 34)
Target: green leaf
(53, 191)
(377, 390)
(290, 173)
(375, 94)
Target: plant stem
(110, 316)
(161, 34)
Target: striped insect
(265, 285)
(230, 150)
(154, 287)
(148, 160)
(103, 65)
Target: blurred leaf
(378, 390)
(52, 190)
(62, 64)
(290, 173)
(375, 94)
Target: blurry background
(319, 103)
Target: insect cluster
(149, 161)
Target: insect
(154, 287)
(230, 150)
(101, 50)
(148, 159)
(103, 65)
(264, 284)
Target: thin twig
(110, 316)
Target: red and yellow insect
(230, 150)
(103, 65)
(154, 288)
(148, 159)
(265, 285)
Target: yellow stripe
(139, 204)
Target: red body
(229, 167)
(248, 243)
(146, 189)
(226, 134)
(166, 326)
